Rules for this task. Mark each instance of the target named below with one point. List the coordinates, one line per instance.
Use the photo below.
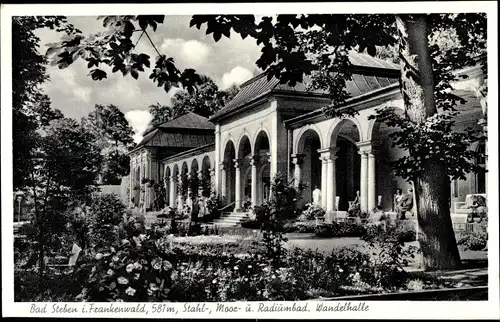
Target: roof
(185, 131)
(368, 74)
(189, 120)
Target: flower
(137, 266)
(125, 242)
(167, 265)
(214, 281)
(156, 264)
(130, 291)
(236, 268)
(115, 259)
(153, 287)
(122, 280)
(129, 268)
(99, 256)
(136, 276)
(249, 266)
(110, 272)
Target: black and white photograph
(204, 160)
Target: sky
(227, 62)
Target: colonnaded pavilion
(270, 128)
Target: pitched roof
(182, 131)
(369, 74)
(189, 120)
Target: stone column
(223, 178)
(297, 160)
(172, 191)
(255, 164)
(363, 187)
(200, 184)
(212, 180)
(324, 170)
(189, 197)
(372, 194)
(331, 186)
(180, 201)
(237, 192)
(131, 180)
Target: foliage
(340, 229)
(213, 204)
(432, 141)
(306, 226)
(206, 101)
(311, 212)
(474, 240)
(30, 108)
(160, 195)
(114, 137)
(251, 223)
(390, 232)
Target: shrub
(400, 233)
(311, 212)
(306, 226)
(340, 229)
(251, 223)
(474, 240)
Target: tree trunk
(432, 187)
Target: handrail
(227, 206)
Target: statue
(405, 204)
(354, 206)
(317, 196)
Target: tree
(320, 48)
(205, 101)
(161, 113)
(29, 105)
(114, 137)
(62, 172)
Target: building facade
(270, 128)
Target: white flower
(130, 291)
(129, 268)
(98, 256)
(137, 266)
(236, 268)
(122, 280)
(110, 272)
(136, 276)
(153, 287)
(115, 259)
(249, 266)
(214, 281)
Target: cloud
(237, 75)
(139, 121)
(188, 53)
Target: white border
(423, 310)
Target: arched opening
(194, 183)
(136, 187)
(244, 157)
(228, 173)
(387, 182)
(184, 181)
(261, 149)
(308, 145)
(206, 183)
(175, 186)
(347, 164)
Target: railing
(223, 209)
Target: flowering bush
(311, 212)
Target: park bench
(71, 260)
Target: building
(269, 128)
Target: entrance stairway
(231, 219)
